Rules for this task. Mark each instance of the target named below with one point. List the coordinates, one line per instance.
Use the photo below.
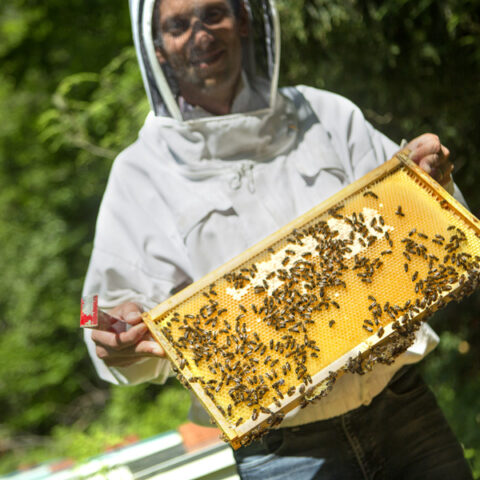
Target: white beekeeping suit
(198, 188)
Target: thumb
(129, 312)
(133, 317)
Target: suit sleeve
(136, 258)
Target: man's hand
(120, 346)
(430, 155)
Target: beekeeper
(224, 159)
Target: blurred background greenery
(71, 98)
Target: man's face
(201, 40)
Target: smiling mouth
(209, 59)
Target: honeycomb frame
(244, 383)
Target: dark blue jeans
(401, 435)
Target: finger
(421, 140)
(433, 161)
(436, 161)
(144, 349)
(413, 144)
(447, 174)
(430, 165)
(439, 170)
(445, 151)
(425, 147)
(129, 312)
(106, 322)
(150, 347)
(116, 319)
(114, 340)
(133, 335)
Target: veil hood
(260, 58)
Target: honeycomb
(340, 288)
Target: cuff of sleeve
(155, 370)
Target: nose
(201, 35)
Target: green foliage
(412, 66)
(71, 98)
(154, 411)
(50, 190)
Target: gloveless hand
(119, 346)
(429, 154)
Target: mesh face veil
(207, 57)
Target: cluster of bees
(247, 373)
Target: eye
(175, 26)
(214, 15)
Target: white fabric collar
(199, 148)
